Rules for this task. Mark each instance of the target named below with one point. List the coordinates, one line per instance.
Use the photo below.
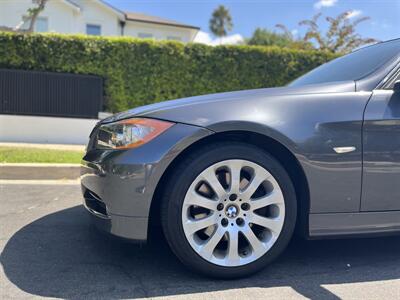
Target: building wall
(64, 18)
(159, 32)
(95, 14)
(51, 130)
(61, 18)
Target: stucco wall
(92, 13)
(159, 32)
(64, 18)
(60, 17)
(35, 129)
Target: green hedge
(138, 72)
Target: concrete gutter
(39, 171)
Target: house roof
(139, 17)
(72, 4)
(104, 4)
(133, 16)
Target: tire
(180, 218)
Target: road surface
(49, 249)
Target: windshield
(353, 66)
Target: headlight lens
(130, 133)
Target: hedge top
(138, 72)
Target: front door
(381, 138)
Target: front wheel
(229, 210)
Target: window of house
(144, 35)
(26, 21)
(93, 29)
(174, 38)
(41, 24)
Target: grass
(33, 155)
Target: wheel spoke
(272, 224)
(235, 167)
(217, 213)
(274, 198)
(192, 226)
(195, 199)
(211, 178)
(233, 247)
(259, 177)
(208, 248)
(257, 246)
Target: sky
(247, 15)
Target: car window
(392, 82)
(353, 66)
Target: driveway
(49, 249)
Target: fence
(50, 94)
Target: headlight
(130, 133)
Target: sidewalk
(45, 146)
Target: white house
(94, 17)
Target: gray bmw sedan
(229, 177)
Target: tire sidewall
(179, 185)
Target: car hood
(240, 105)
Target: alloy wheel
(233, 213)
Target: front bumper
(119, 185)
(132, 228)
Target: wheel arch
(265, 143)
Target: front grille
(94, 203)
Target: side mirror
(396, 86)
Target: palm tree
(221, 21)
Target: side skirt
(353, 224)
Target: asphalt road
(49, 249)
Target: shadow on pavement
(60, 255)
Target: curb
(10, 171)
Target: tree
(265, 37)
(341, 35)
(34, 12)
(221, 21)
